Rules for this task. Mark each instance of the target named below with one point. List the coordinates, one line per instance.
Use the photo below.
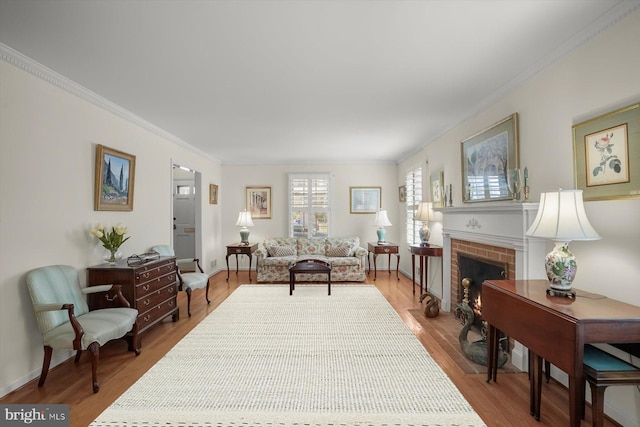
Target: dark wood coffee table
(308, 266)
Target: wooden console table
(424, 252)
(555, 328)
(382, 248)
(240, 249)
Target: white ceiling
(284, 82)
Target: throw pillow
(283, 251)
(340, 250)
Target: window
(309, 205)
(413, 183)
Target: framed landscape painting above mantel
(114, 180)
(488, 158)
(606, 153)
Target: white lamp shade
(381, 220)
(424, 212)
(561, 217)
(244, 219)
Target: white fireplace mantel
(496, 224)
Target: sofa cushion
(282, 261)
(281, 250)
(271, 244)
(313, 246)
(343, 261)
(353, 242)
(341, 250)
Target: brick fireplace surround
(497, 253)
(496, 231)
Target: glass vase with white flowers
(111, 240)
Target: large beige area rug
(264, 358)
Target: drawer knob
(386, 250)
(146, 318)
(146, 287)
(147, 301)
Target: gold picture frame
(605, 151)
(487, 159)
(437, 189)
(402, 194)
(258, 202)
(213, 194)
(114, 180)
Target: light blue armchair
(196, 278)
(66, 323)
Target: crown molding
(24, 63)
(599, 26)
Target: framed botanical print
(258, 202)
(606, 154)
(437, 189)
(114, 179)
(488, 158)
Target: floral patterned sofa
(346, 256)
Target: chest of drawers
(151, 288)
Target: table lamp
(561, 217)
(424, 214)
(381, 221)
(244, 221)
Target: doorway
(185, 208)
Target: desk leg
(535, 384)
(413, 273)
(292, 278)
(491, 355)
(574, 401)
(237, 264)
(422, 274)
(250, 267)
(375, 267)
(398, 266)
(329, 280)
(227, 257)
(426, 272)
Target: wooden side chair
(66, 323)
(196, 278)
(601, 370)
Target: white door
(184, 218)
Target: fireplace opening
(472, 271)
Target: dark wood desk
(383, 248)
(240, 249)
(555, 328)
(424, 252)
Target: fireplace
(472, 271)
(496, 232)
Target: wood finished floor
(505, 403)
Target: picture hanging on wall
(114, 179)
(488, 158)
(437, 189)
(605, 151)
(213, 194)
(365, 200)
(259, 202)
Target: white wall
(599, 77)
(47, 157)
(236, 178)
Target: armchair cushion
(99, 326)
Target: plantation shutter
(413, 183)
(309, 205)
